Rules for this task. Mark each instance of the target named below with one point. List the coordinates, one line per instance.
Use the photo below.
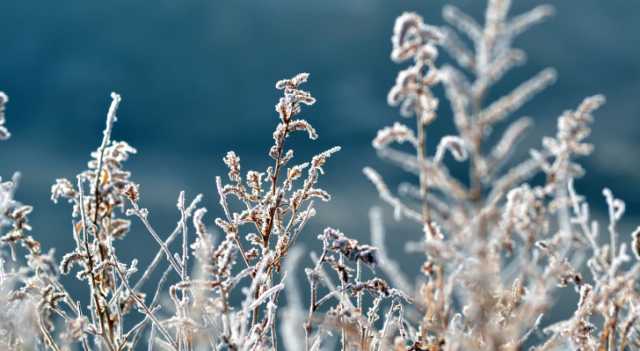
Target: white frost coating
(4, 132)
(455, 145)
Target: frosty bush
(497, 246)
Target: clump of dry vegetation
(497, 246)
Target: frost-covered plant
(30, 292)
(273, 208)
(26, 292)
(359, 329)
(498, 245)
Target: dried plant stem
(313, 276)
(106, 139)
(266, 234)
(156, 260)
(274, 181)
(421, 156)
(185, 237)
(343, 334)
(163, 246)
(312, 308)
(101, 310)
(148, 312)
(50, 342)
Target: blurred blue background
(197, 79)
